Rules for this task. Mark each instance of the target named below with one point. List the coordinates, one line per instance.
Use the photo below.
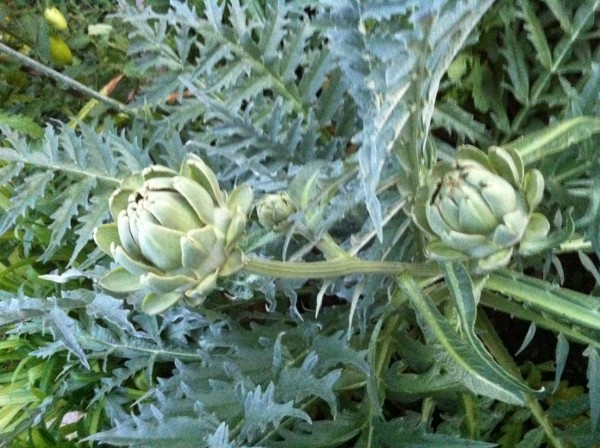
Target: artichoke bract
(479, 208)
(173, 234)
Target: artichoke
(479, 208)
(173, 234)
(274, 210)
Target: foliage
(343, 106)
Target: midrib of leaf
(547, 75)
(55, 167)
(498, 384)
(171, 354)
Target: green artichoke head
(274, 210)
(173, 234)
(479, 208)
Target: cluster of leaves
(343, 104)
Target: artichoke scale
(119, 280)
(155, 303)
(160, 245)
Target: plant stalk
(51, 73)
(337, 267)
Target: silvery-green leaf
(155, 303)
(241, 197)
(160, 246)
(195, 168)
(534, 188)
(507, 164)
(163, 283)
(197, 197)
(476, 370)
(233, 263)
(120, 280)
(105, 235)
(136, 267)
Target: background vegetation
(344, 105)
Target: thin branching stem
(51, 73)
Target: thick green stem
(337, 267)
(570, 306)
(498, 350)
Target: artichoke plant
(479, 208)
(273, 211)
(173, 234)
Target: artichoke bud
(274, 211)
(174, 234)
(480, 208)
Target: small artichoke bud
(480, 208)
(174, 234)
(274, 210)
(55, 18)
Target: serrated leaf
(261, 411)
(22, 124)
(380, 75)
(111, 310)
(172, 432)
(70, 201)
(64, 329)
(220, 439)
(516, 67)
(465, 360)
(405, 433)
(536, 35)
(335, 349)
(558, 9)
(25, 197)
(455, 119)
(320, 434)
(95, 213)
(554, 138)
